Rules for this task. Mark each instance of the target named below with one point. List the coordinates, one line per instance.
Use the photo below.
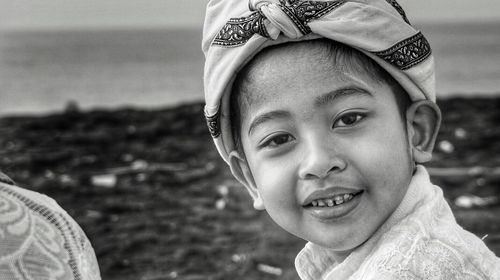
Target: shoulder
(39, 240)
(436, 248)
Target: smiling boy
(313, 134)
(325, 110)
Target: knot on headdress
(278, 19)
(272, 17)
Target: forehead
(301, 66)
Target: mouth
(332, 200)
(333, 206)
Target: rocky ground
(157, 203)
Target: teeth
(330, 202)
(339, 200)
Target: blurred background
(101, 108)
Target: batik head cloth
(236, 30)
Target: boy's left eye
(348, 119)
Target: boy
(325, 111)
(39, 240)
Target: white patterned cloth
(420, 240)
(39, 240)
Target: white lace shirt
(39, 240)
(420, 240)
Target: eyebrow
(331, 96)
(266, 117)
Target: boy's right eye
(276, 140)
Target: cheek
(384, 160)
(275, 182)
(385, 144)
(382, 155)
(277, 185)
(384, 151)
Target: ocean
(43, 71)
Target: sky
(95, 14)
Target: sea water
(42, 71)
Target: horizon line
(171, 27)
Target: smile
(333, 206)
(333, 200)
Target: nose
(320, 158)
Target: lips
(330, 197)
(330, 205)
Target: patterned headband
(235, 31)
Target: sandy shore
(157, 202)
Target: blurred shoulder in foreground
(39, 240)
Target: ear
(423, 120)
(241, 171)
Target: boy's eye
(348, 119)
(277, 140)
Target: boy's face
(314, 136)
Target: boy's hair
(343, 58)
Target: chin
(346, 244)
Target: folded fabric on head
(235, 31)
